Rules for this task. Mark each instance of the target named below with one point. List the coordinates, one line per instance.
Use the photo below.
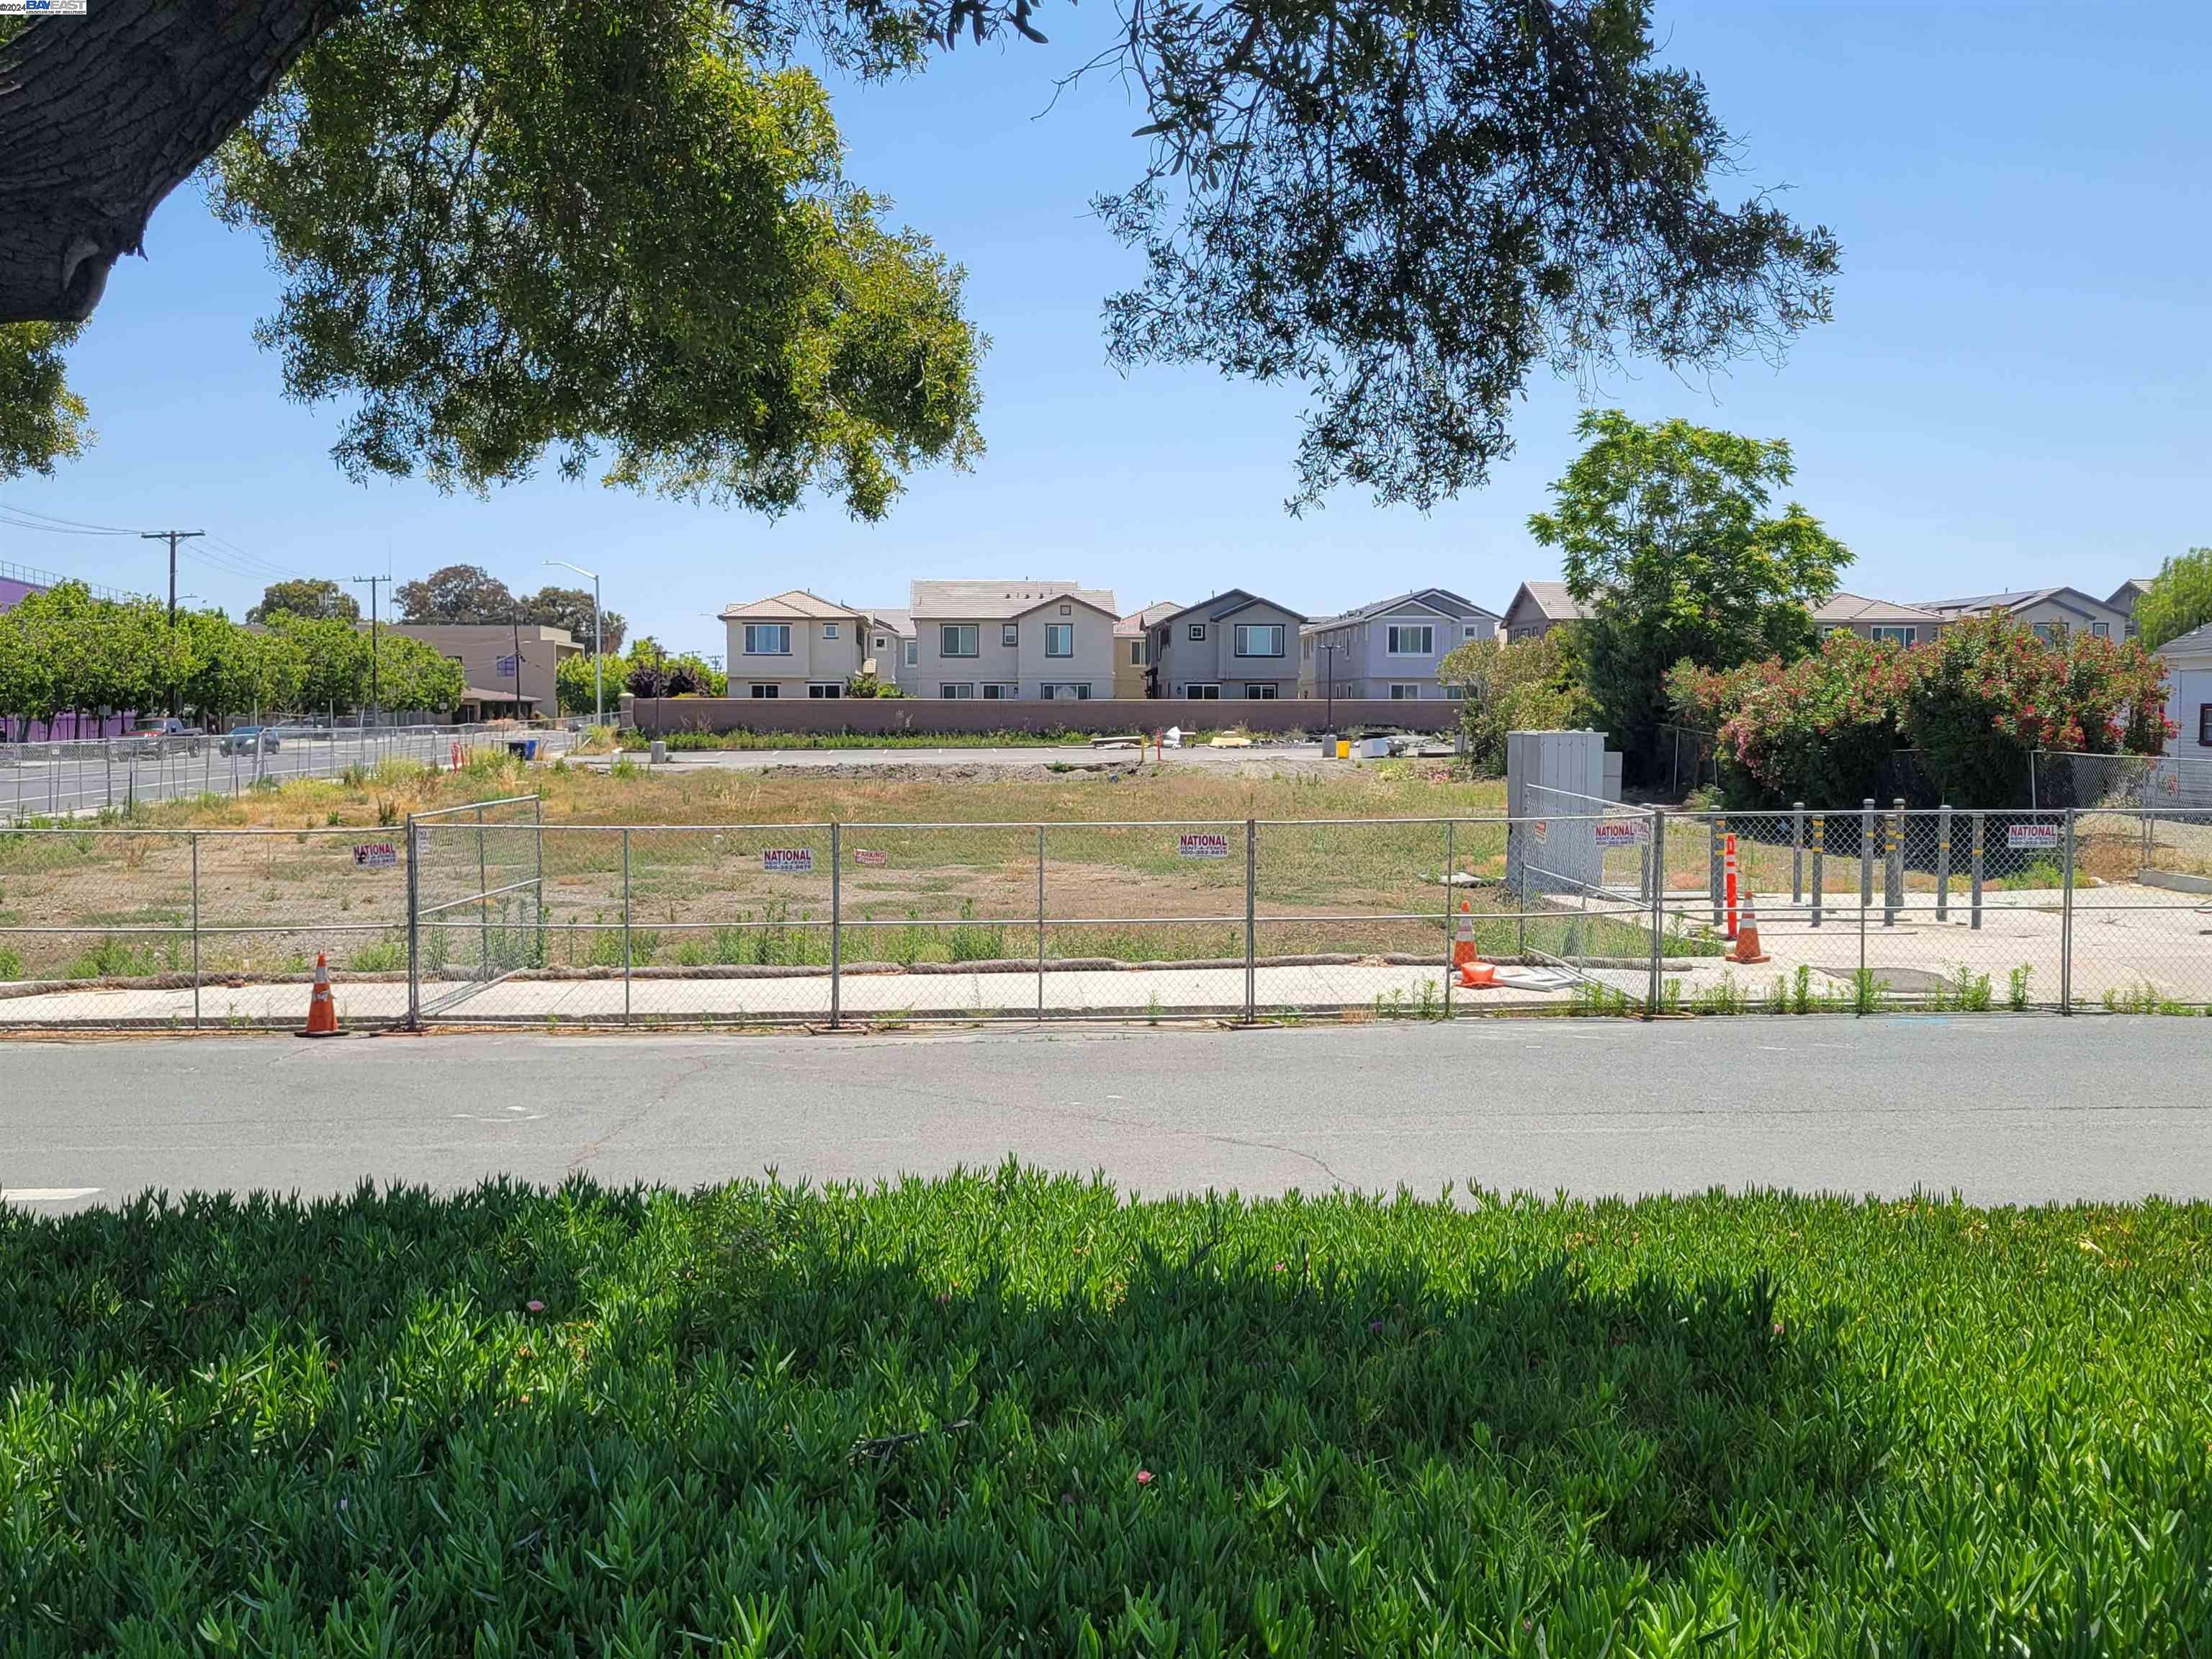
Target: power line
(76, 526)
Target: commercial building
(1390, 649)
(506, 671)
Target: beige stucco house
(1133, 648)
(1879, 620)
(1012, 641)
(796, 644)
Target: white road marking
(44, 1194)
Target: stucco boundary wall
(1105, 716)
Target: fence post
(1820, 853)
(1866, 855)
(625, 924)
(1796, 851)
(538, 949)
(1892, 881)
(414, 927)
(1715, 827)
(1251, 911)
(107, 772)
(1451, 890)
(837, 924)
(483, 913)
(1040, 954)
(1943, 862)
(1979, 818)
(1658, 907)
(195, 839)
(2066, 921)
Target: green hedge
(1022, 1414)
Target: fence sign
(787, 860)
(1203, 844)
(2032, 837)
(1541, 830)
(871, 856)
(376, 855)
(1622, 832)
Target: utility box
(1557, 785)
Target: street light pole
(598, 669)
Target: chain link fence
(49, 782)
(485, 916)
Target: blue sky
(2015, 390)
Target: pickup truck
(161, 737)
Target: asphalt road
(1998, 1109)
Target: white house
(1390, 649)
(1006, 640)
(2189, 692)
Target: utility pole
(1329, 719)
(370, 583)
(598, 687)
(172, 537)
(515, 620)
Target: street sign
(376, 855)
(2032, 837)
(1202, 844)
(787, 860)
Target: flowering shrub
(1975, 703)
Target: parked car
(248, 740)
(162, 737)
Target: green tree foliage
(1519, 685)
(571, 608)
(507, 228)
(41, 420)
(573, 687)
(307, 597)
(868, 685)
(2179, 600)
(1975, 703)
(1670, 549)
(455, 593)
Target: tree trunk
(103, 115)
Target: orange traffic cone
(322, 1008)
(1474, 974)
(1747, 950)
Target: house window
(2046, 631)
(1009, 634)
(1079, 692)
(1202, 692)
(1059, 639)
(1472, 632)
(1454, 694)
(1258, 639)
(957, 640)
(768, 639)
(1894, 635)
(1196, 632)
(826, 689)
(1067, 610)
(2205, 725)
(1414, 641)
(1260, 693)
(1001, 693)
(2101, 630)
(1136, 653)
(957, 689)
(1401, 691)
(913, 652)
(881, 642)
(828, 630)
(766, 690)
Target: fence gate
(476, 902)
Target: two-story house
(1389, 650)
(1882, 621)
(2048, 610)
(1538, 607)
(1233, 646)
(1007, 640)
(2123, 600)
(1133, 650)
(794, 644)
(894, 650)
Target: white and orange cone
(322, 1007)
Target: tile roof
(1844, 608)
(998, 601)
(1439, 598)
(1138, 621)
(1231, 599)
(1552, 599)
(2196, 641)
(900, 622)
(796, 602)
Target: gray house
(893, 649)
(1390, 649)
(1233, 646)
(2048, 610)
(1538, 607)
(1010, 640)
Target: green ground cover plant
(1023, 1413)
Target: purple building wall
(63, 728)
(13, 592)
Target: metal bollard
(1867, 852)
(1943, 862)
(1978, 824)
(1819, 847)
(1796, 851)
(1892, 886)
(1718, 827)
